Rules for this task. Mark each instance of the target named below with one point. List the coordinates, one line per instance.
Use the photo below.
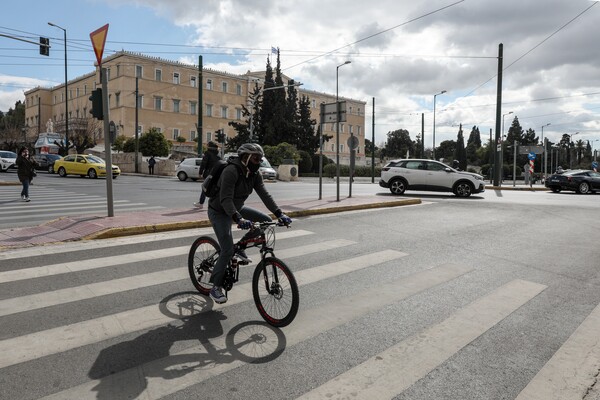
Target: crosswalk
(138, 332)
(49, 203)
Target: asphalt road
(494, 297)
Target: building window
(158, 103)
(176, 78)
(341, 128)
(358, 131)
(209, 84)
(139, 71)
(350, 129)
(192, 81)
(193, 107)
(176, 106)
(332, 147)
(208, 136)
(84, 111)
(224, 112)
(358, 111)
(118, 99)
(140, 103)
(108, 73)
(341, 148)
(192, 135)
(70, 93)
(238, 89)
(84, 90)
(118, 70)
(209, 111)
(175, 133)
(238, 113)
(314, 103)
(158, 75)
(350, 110)
(224, 87)
(77, 92)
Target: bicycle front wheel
(275, 292)
(201, 260)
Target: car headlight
(101, 167)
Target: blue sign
(595, 164)
(531, 156)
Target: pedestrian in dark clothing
(151, 163)
(25, 171)
(209, 160)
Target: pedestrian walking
(25, 172)
(209, 160)
(151, 163)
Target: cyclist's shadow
(122, 369)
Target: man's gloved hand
(284, 219)
(244, 224)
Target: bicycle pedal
(243, 262)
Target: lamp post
(337, 129)
(591, 142)
(545, 155)
(66, 90)
(569, 149)
(434, 97)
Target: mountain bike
(274, 286)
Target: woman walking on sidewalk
(25, 171)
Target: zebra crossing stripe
(87, 210)
(389, 373)
(573, 369)
(69, 295)
(63, 338)
(149, 382)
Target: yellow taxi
(83, 165)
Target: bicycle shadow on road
(123, 369)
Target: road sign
(531, 149)
(595, 165)
(330, 114)
(352, 142)
(98, 38)
(531, 156)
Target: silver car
(189, 168)
(7, 160)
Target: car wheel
(584, 188)
(555, 189)
(115, 176)
(62, 172)
(51, 169)
(463, 189)
(397, 186)
(92, 173)
(182, 176)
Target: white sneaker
(199, 205)
(27, 199)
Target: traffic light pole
(107, 149)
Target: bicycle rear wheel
(275, 292)
(201, 260)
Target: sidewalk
(133, 223)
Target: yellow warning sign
(98, 38)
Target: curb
(529, 189)
(173, 226)
(4, 183)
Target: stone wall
(126, 162)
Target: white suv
(189, 168)
(7, 160)
(429, 175)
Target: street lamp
(66, 90)
(569, 149)
(434, 96)
(545, 154)
(337, 127)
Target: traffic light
(96, 99)
(220, 136)
(44, 46)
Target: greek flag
(273, 50)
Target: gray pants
(221, 224)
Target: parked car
(429, 175)
(45, 162)
(7, 160)
(83, 165)
(580, 180)
(189, 168)
(265, 169)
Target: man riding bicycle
(237, 181)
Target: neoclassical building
(168, 98)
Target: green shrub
(305, 164)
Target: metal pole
(337, 129)
(373, 144)
(322, 116)
(422, 135)
(107, 153)
(515, 164)
(137, 94)
(66, 89)
(498, 164)
(200, 107)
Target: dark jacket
(25, 168)
(209, 160)
(236, 184)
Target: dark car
(45, 162)
(580, 181)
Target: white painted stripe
(103, 262)
(308, 323)
(573, 369)
(125, 241)
(68, 295)
(87, 210)
(35, 345)
(64, 205)
(389, 373)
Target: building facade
(169, 95)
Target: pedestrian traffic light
(44, 46)
(220, 136)
(97, 109)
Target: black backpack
(211, 185)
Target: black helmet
(250, 148)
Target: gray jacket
(236, 184)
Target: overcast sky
(402, 53)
